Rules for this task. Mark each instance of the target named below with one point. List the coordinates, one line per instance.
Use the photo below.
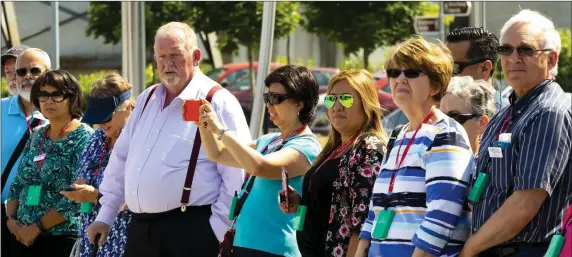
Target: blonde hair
(416, 52)
(362, 82)
(110, 85)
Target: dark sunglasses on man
(35, 71)
(57, 96)
(462, 117)
(274, 98)
(522, 51)
(409, 73)
(460, 66)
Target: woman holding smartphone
(110, 105)
(46, 221)
(291, 98)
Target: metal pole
(56, 36)
(266, 38)
(138, 40)
(484, 14)
(125, 41)
(442, 21)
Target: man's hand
(98, 227)
(82, 193)
(28, 234)
(14, 226)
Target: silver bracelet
(221, 134)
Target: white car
(320, 123)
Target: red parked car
(384, 91)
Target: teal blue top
(261, 224)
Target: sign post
(426, 25)
(457, 8)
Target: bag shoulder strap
(194, 157)
(17, 152)
(393, 137)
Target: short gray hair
(478, 94)
(549, 36)
(189, 37)
(45, 57)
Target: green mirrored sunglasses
(346, 100)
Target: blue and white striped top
(429, 193)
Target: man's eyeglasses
(35, 71)
(273, 98)
(409, 73)
(346, 100)
(523, 51)
(461, 117)
(460, 66)
(57, 96)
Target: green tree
(564, 77)
(361, 25)
(240, 23)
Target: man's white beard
(13, 90)
(25, 94)
(171, 80)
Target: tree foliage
(361, 25)
(564, 77)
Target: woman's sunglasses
(273, 98)
(346, 100)
(409, 73)
(35, 71)
(460, 66)
(522, 51)
(57, 96)
(462, 118)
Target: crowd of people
(468, 175)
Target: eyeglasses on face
(460, 66)
(346, 100)
(35, 71)
(57, 96)
(462, 117)
(409, 73)
(273, 98)
(522, 51)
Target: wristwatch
(222, 131)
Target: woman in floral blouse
(110, 104)
(45, 221)
(338, 186)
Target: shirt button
(134, 192)
(138, 169)
(148, 149)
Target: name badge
(505, 137)
(275, 144)
(495, 152)
(40, 157)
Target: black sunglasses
(462, 118)
(273, 98)
(57, 96)
(523, 51)
(409, 73)
(460, 66)
(35, 71)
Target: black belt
(153, 216)
(510, 249)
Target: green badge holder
(478, 187)
(555, 246)
(232, 207)
(86, 207)
(300, 218)
(383, 224)
(34, 194)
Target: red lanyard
(29, 125)
(41, 162)
(505, 124)
(103, 151)
(404, 154)
(331, 156)
(277, 139)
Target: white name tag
(505, 137)
(40, 157)
(275, 144)
(495, 152)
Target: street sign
(426, 25)
(457, 8)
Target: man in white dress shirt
(148, 164)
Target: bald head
(36, 56)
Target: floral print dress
(58, 170)
(351, 190)
(90, 161)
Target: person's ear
(486, 69)
(196, 57)
(483, 123)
